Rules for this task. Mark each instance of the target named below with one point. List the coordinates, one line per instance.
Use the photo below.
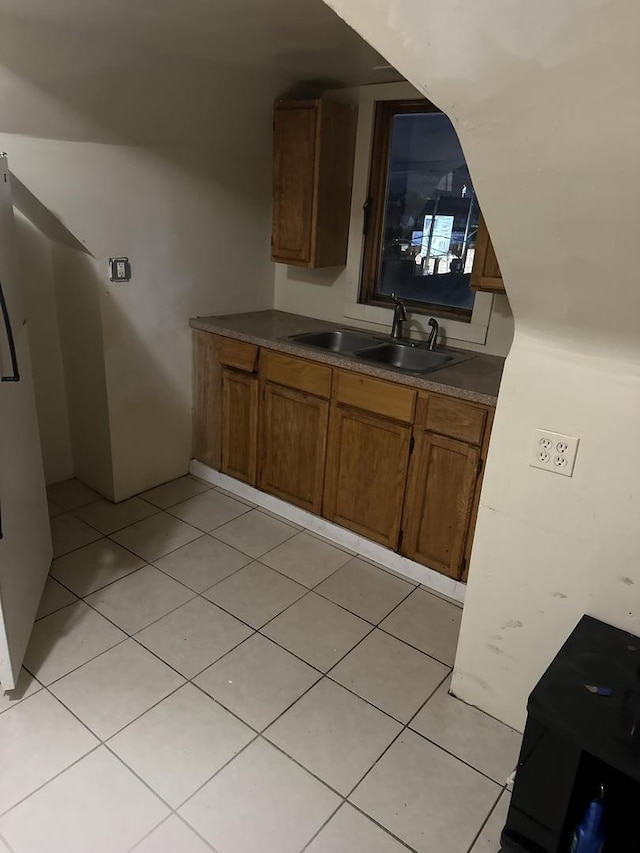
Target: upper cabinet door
(313, 154)
(486, 274)
(294, 156)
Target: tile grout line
(99, 589)
(342, 805)
(326, 541)
(486, 820)
(185, 681)
(19, 802)
(106, 743)
(212, 534)
(262, 732)
(76, 668)
(254, 559)
(233, 482)
(387, 748)
(202, 593)
(109, 537)
(322, 674)
(117, 529)
(147, 563)
(258, 734)
(415, 648)
(246, 511)
(179, 817)
(343, 798)
(353, 613)
(193, 829)
(382, 826)
(259, 630)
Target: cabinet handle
(15, 375)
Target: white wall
(78, 287)
(544, 99)
(165, 160)
(332, 294)
(46, 355)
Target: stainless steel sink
(411, 358)
(338, 340)
(396, 355)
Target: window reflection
(431, 214)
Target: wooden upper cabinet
(239, 424)
(313, 155)
(486, 274)
(439, 501)
(367, 459)
(293, 438)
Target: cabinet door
(486, 274)
(239, 424)
(206, 399)
(294, 157)
(293, 437)
(367, 459)
(440, 496)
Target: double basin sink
(404, 356)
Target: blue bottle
(588, 836)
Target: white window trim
(452, 330)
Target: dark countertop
(476, 379)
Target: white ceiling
(300, 39)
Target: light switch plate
(554, 452)
(119, 269)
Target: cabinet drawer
(296, 373)
(450, 417)
(238, 354)
(374, 395)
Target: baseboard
(438, 583)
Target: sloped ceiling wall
(544, 98)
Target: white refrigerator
(25, 537)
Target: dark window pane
(431, 215)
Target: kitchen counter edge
(476, 379)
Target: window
(421, 214)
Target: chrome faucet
(399, 316)
(433, 334)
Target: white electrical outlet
(554, 452)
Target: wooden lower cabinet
(439, 501)
(293, 436)
(239, 424)
(398, 466)
(366, 472)
(206, 398)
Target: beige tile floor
(206, 676)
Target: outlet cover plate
(119, 269)
(554, 452)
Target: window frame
(374, 210)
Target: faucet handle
(433, 334)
